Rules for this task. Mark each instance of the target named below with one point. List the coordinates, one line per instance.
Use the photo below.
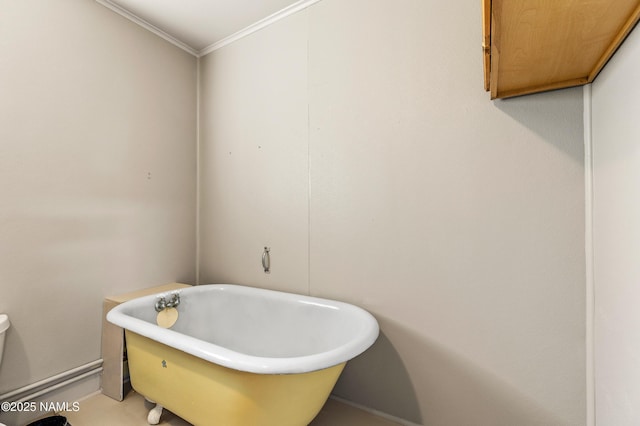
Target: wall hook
(266, 260)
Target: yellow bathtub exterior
(206, 394)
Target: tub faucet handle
(161, 303)
(175, 299)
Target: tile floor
(100, 410)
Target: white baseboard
(389, 417)
(64, 390)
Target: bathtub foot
(154, 415)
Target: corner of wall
(589, 281)
(198, 167)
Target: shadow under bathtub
(380, 366)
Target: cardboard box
(115, 375)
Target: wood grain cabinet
(537, 45)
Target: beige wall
(254, 159)
(97, 172)
(355, 139)
(616, 236)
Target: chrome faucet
(162, 302)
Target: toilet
(4, 326)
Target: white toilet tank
(4, 325)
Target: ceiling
(199, 24)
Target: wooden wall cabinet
(537, 45)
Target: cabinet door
(543, 45)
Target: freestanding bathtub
(241, 355)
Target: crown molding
(144, 24)
(265, 22)
(287, 11)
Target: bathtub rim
(241, 361)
